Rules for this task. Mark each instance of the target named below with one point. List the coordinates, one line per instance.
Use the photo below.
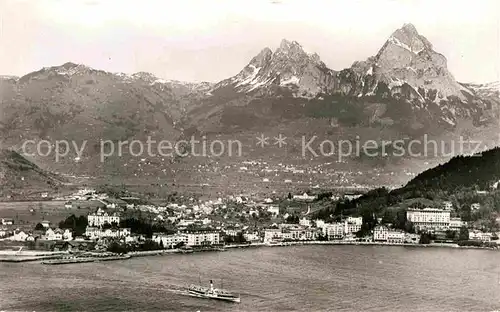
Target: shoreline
(333, 242)
(13, 258)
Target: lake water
(307, 278)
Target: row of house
(23, 236)
(99, 233)
(294, 232)
(189, 239)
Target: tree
(39, 227)
(322, 237)
(324, 195)
(409, 227)
(117, 248)
(451, 235)
(292, 219)
(400, 220)
(77, 225)
(240, 238)
(464, 234)
(290, 195)
(425, 238)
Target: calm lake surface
(307, 278)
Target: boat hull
(215, 297)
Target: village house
(305, 222)
(380, 233)
(319, 223)
(447, 205)
(58, 234)
(45, 223)
(274, 210)
(412, 238)
(186, 222)
(252, 237)
(456, 224)
(335, 197)
(240, 199)
(231, 231)
(3, 232)
(475, 206)
(18, 236)
(352, 196)
(480, 236)
(83, 194)
(55, 234)
(304, 197)
(7, 221)
(272, 235)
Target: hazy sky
(209, 40)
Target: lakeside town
(115, 225)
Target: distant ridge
(20, 176)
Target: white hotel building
(170, 240)
(429, 218)
(353, 224)
(196, 238)
(203, 238)
(382, 233)
(334, 230)
(101, 217)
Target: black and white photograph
(237, 155)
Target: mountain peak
(68, 65)
(262, 58)
(291, 46)
(286, 44)
(409, 28)
(409, 67)
(408, 38)
(290, 66)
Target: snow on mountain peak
(262, 58)
(70, 69)
(288, 66)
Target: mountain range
(404, 91)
